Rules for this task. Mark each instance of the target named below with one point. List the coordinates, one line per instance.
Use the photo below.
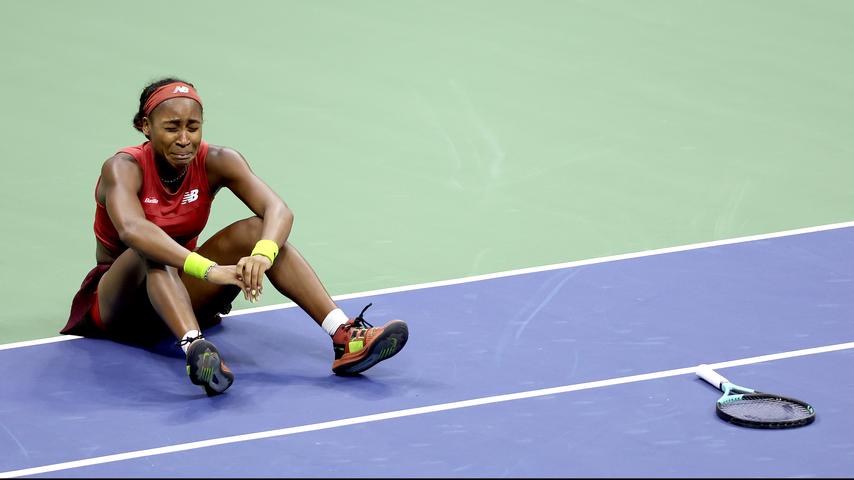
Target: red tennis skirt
(141, 322)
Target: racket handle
(706, 373)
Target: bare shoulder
(219, 153)
(225, 165)
(119, 172)
(119, 165)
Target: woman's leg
(126, 294)
(290, 274)
(357, 345)
(132, 284)
(119, 290)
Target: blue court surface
(582, 370)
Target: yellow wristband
(268, 248)
(197, 265)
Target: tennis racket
(748, 408)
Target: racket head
(764, 410)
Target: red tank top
(182, 215)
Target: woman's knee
(234, 241)
(242, 234)
(251, 227)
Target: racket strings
(766, 409)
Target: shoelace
(360, 322)
(188, 340)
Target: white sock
(333, 320)
(189, 334)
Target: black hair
(146, 92)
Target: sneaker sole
(208, 373)
(387, 345)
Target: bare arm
(227, 168)
(121, 180)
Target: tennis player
(152, 202)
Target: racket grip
(706, 373)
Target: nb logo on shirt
(190, 196)
(181, 89)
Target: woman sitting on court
(152, 202)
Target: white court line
(508, 273)
(40, 341)
(410, 412)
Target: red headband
(170, 90)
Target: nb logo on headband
(181, 89)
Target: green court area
(420, 140)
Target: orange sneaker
(359, 345)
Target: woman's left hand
(251, 270)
